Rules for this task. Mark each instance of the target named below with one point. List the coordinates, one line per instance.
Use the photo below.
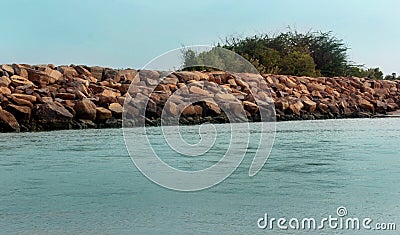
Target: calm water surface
(84, 182)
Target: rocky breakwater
(48, 97)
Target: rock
(110, 93)
(309, 105)
(102, 114)
(65, 96)
(66, 70)
(252, 108)
(22, 113)
(20, 81)
(5, 90)
(4, 81)
(85, 109)
(9, 69)
(225, 96)
(97, 72)
(212, 108)
(41, 77)
(21, 102)
(116, 110)
(199, 91)
(323, 107)
(185, 76)
(296, 107)
(20, 70)
(8, 123)
(189, 111)
(381, 107)
(315, 86)
(53, 116)
(29, 98)
(365, 104)
(282, 105)
(81, 70)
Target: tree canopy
(291, 53)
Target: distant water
(83, 182)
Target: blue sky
(129, 33)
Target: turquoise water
(83, 182)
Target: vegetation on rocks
(311, 54)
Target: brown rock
(110, 93)
(252, 108)
(41, 77)
(213, 108)
(4, 81)
(323, 107)
(20, 81)
(199, 91)
(5, 91)
(97, 72)
(20, 70)
(20, 112)
(21, 102)
(189, 111)
(85, 109)
(8, 68)
(116, 110)
(365, 104)
(309, 105)
(8, 123)
(102, 114)
(282, 105)
(53, 116)
(296, 107)
(66, 70)
(83, 71)
(65, 96)
(225, 96)
(29, 98)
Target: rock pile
(48, 97)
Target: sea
(85, 182)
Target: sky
(130, 33)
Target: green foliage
(371, 73)
(290, 53)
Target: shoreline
(48, 97)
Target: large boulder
(8, 123)
(53, 116)
(44, 78)
(103, 114)
(85, 109)
(22, 113)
